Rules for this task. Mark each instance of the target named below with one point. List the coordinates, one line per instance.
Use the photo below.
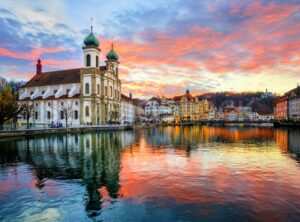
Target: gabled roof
(187, 95)
(126, 98)
(53, 78)
(293, 92)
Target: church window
(87, 111)
(88, 60)
(97, 61)
(87, 88)
(76, 114)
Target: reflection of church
(93, 159)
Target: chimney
(39, 67)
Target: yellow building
(203, 109)
(188, 106)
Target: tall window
(48, 115)
(61, 114)
(111, 92)
(88, 60)
(87, 88)
(97, 61)
(98, 89)
(106, 90)
(36, 115)
(76, 114)
(87, 111)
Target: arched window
(87, 111)
(88, 60)
(87, 88)
(97, 61)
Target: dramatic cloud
(164, 48)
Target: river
(160, 174)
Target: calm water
(162, 174)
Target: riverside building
(90, 94)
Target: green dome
(91, 40)
(112, 55)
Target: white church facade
(90, 95)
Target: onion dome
(91, 40)
(112, 55)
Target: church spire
(91, 24)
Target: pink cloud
(32, 55)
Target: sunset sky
(164, 46)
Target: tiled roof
(293, 92)
(126, 98)
(54, 78)
(187, 95)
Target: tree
(27, 112)
(67, 113)
(9, 107)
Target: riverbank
(215, 123)
(71, 130)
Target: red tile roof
(56, 77)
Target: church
(88, 95)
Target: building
(204, 108)
(89, 95)
(281, 108)
(188, 106)
(161, 109)
(294, 104)
(128, 110)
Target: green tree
(9, 107)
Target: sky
(164, 47)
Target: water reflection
(92, 159)
(164, 174)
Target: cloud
(204, 45)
